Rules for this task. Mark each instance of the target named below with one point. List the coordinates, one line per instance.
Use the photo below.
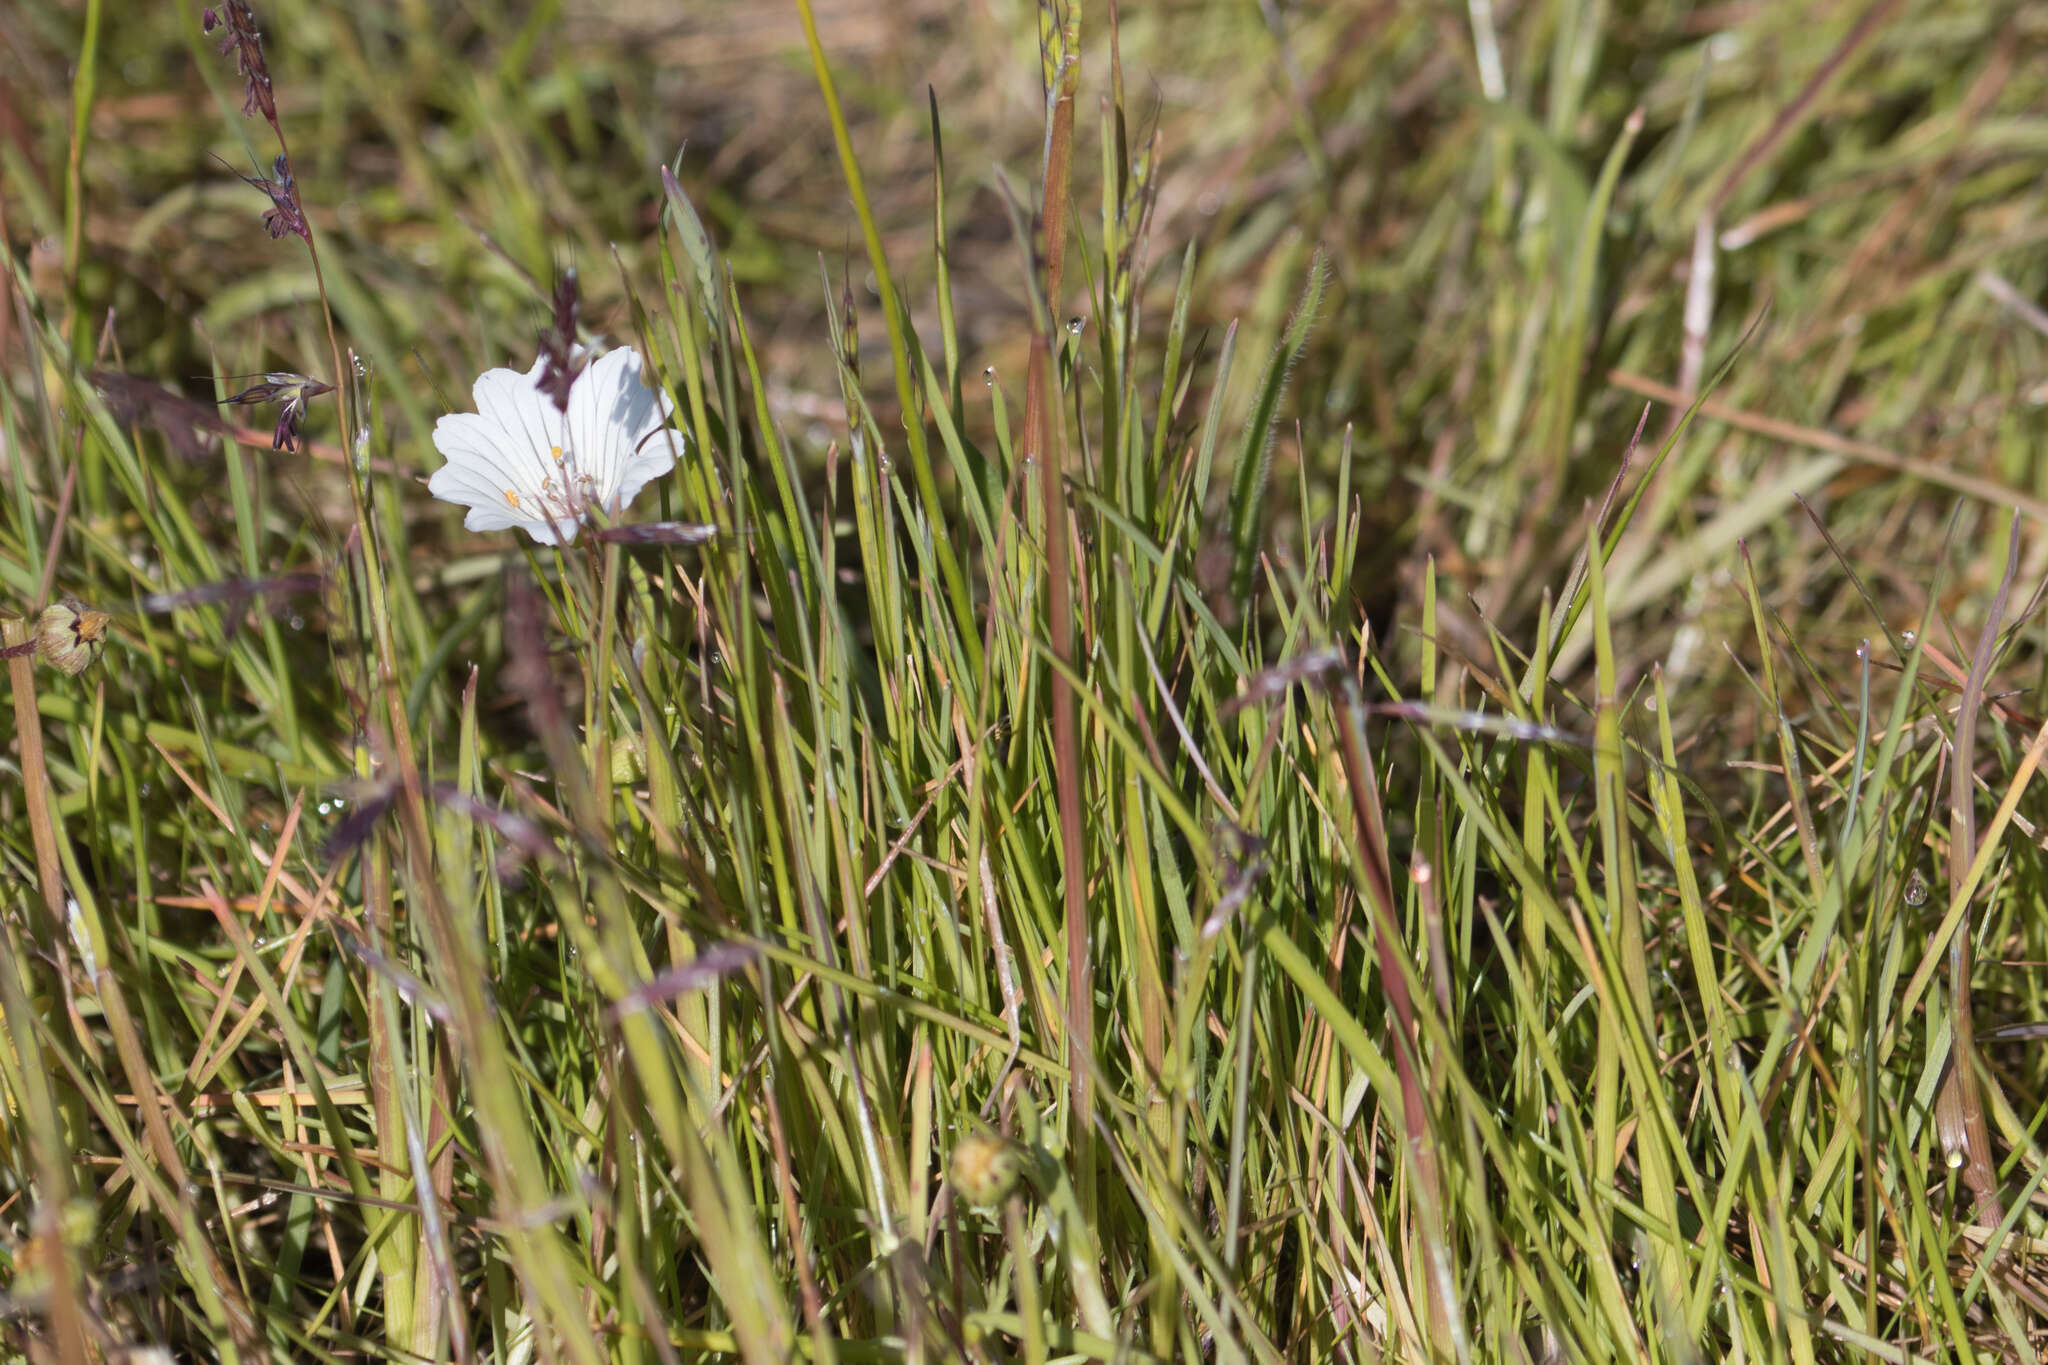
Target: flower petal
(647, 463)
(611, 411)
(476, 454)
(525, 415)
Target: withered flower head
(294, 390)
(284, 214)
(70, 635)
(247, 44)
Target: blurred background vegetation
(1864, 170)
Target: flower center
(565, 496)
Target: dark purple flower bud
(247, 46)
(283, 215)
(558, 347)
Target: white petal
(610, 411)
(483, 517)
(646, 464)
(476, 445)
(526, 416)
(551, 532)
(589, 401)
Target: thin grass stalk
(1959, 1108)
(1047, 449)
(1369, 850)
(32, 1098)
(19, 634)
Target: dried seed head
(293, 390)
(70, 635)
(284, 214)
(561, 357)
(245, 43)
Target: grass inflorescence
(1370, 697)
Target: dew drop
(1075, 324)
(1955, 1160)
(362, 370)
(298, 623)
(1908, 638)
(1916, 889)
(884, 465)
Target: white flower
(518, 461)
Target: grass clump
(1223, 840)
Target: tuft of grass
(1137, 859)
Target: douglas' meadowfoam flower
(518, 460)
